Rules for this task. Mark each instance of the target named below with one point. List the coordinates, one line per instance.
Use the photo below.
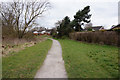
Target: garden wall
(106, 37)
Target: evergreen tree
(63, 27)
(81, 17)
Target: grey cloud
(103, 13)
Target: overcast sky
(104, 12)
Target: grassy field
(25, 63)
(83, 60)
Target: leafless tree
(7, 15)
(23, 15)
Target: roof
(96, 28)
(118, 26)
(43, 32)
(35, 32)
(48, 30)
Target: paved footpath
(53, 66)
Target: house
(39, 29)
(94, 28)
(42, 32)
(35, 33)
(115, 27)
(97, 28)
(48, 31)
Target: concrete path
(53, 66)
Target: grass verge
(25, 63)
(83, 60)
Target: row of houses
(42, 30)
(99, 28)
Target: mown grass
(83, 60)
(25, 63)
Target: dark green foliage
(89, 29)
(53, 32)
(63, 27)
(81, 17)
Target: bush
(116, 29)
(29, 36)
(64, 37)
(106, 37)
(9, 36)
(8, 32)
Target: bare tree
(24, 15)
(7, 15)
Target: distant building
(35, 33)
(42, 32)
(95, 28)
(115, 27)
(39, 29)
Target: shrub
(29, 36)
(106, 37)
(9, 36)
(116, 29)
(64, 37)
(8, 32)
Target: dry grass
(15, 45)
(11, 43)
